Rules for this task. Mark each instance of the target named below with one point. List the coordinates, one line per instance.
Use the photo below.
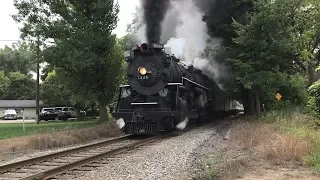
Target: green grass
(303, 125)
(16, 130)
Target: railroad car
(163, 94)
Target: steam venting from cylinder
(183, 124)
(120, 123)
(154, 13)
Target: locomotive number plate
(143, 77)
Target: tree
(18, 57)
(20, 87)
(263, 55)
(4, 83)
(306, 33)
(84, 48)
(53, 92)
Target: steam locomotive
(163, 93)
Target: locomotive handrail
(195, 83)
(172, 84)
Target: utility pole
(38, 81)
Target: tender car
(53, 115)
(10, 114)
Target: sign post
(23, 121)
(278, 96)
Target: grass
(16, 130)
(48, 135)
(72, 137)
(286, 137)
(282, 136)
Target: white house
(28, 107)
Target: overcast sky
(9, 28)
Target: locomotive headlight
(163, 92)
(142, 71)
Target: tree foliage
(84, 48)
(53, 92)
(17, 58)
(16, 65)
(273, 43)
(16, 86)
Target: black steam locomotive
(163, 93)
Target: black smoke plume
(154, 13)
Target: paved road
(17, 121)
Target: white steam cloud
(183, 124)
(120, 123)
(184, 31)
(190, 40)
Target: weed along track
(71, 163)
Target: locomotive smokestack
(144, 47)
(154, 13)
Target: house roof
(19, 103)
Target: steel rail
(61, 169)
(20, 164)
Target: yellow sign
(278, 96)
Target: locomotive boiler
(163, 93)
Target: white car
(70, 111)
(10, 114)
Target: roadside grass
(50, 135)
(281, 136)
(16, 130)
(73, 137)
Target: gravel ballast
(168, 159)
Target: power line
(9, 40)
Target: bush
(293, 89)
(314, 99)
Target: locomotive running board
(149, 103)
(169, 84)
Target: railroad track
(73, 162)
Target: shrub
(314, 99)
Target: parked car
(10, 114)
(70, 111)
(47, 109)
(53, 115)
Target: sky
(9, 29)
